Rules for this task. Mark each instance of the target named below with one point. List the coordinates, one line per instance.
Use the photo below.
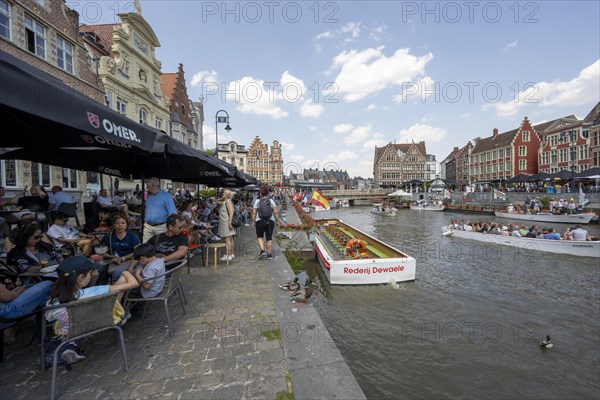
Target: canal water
(469, 326)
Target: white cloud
(421, 132)
(376, 140)
(578, 91)
(369, 71)
(353, 28)
(311, 109)
(342, 128)
(417, 91)
(208, 133)
(324, 35)
(511, 45)
(359, 135)
(293, 89)
(297, 158)
(203, 76)
(253, 97)
(371, 107)
(312, 128)
(465, 115)
(287, 146)
(378, 32)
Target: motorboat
(525, 244)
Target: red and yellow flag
(319, 200)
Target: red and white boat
(349, 256)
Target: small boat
(344, 203)
(425, 206)
(388, 212)
(349, 256)
(547, 217)
(571, 247)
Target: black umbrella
(52, 122)
(592, 173)
(562, 175)
(540, 176)
(520, 178)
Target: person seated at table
(103, 199)
(30, 251)
(171, 244)
(118, 203)
(120, 242)
(149, 266)
(36, 201)
(61, 234)
(16, 300)
(74, 277)
(58, 197)
(99, 223)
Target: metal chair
(86, 317)
(172, 287)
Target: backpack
(265, 211)
(236, 222)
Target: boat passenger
(468, 227)
(572, 207)
(532, 232)
(514, 231)
(493, 229)
(484, 229)
(504, 231)
(580, 234)
(524, 230)
(568, 235)
(553, 234)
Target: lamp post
(220, 120)
(572, 154)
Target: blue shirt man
(159, 205)
(58, 197)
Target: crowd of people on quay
(47, 261)
(575, 232)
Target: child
(149, 266)
(74, 275)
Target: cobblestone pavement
(226, 346)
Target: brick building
(45, 35)
(455, 167)
(508, 154)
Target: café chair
(172, 287)
(87, 317)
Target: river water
(469, 326)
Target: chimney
(455, 149)
(495, 132)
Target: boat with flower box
(548, 217)
(349, 256)
(572, 247)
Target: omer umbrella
(54, 124)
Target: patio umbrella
(562, 175)
(592, 173)
(520, 178)
(52, 122)
(540, 176)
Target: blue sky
(330, 80)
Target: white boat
(427, 207)
(547, 217)
(388, 213)
(344, 203)
(349, 256)
(523, 244)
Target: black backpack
(264, 208)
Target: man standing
(159, 205)
(58, 197)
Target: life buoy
(355, 247)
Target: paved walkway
(236, 341)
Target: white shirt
(103, 201)
(66, 232)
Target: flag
(498, 194)
(298, 196)
(319, 200)
(582, 200)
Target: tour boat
(426, 207)
(524, 244)
(349, 256)
(344, 203)
(391, 212)
(547, 217)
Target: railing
(357, 193)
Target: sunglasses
(38, 237)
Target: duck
(290, 285)
(546, 343)
(301, 295)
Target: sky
(332, 80)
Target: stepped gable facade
(395, 164)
